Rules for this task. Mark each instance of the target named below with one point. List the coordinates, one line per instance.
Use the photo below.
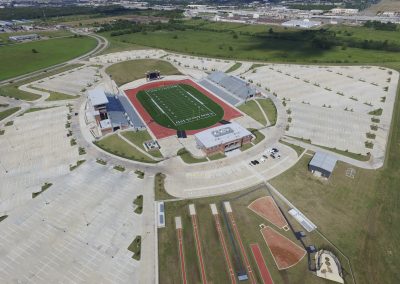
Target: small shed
(322, 163)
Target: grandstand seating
(234, 85)
(219, 92)
(132, 113)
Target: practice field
(180, 107)
(168, 106)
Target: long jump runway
(178, 225)
(198, 243)
(239, 240)
(223, 243)
(265, 275)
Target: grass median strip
(8, 112)
(117, 146)
(138, 138)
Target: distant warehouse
(24, 37)
(322, 164)
(223, 138)
(305, 24)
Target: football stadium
(179, 107)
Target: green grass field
(138, 138)
(180, 107)
(248, 225)
(115, 145)
(132, 70)
(19, 59)
(253, 46)
(8, 112)
(252, 109)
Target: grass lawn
(270, 110)
(253, 110)
(115, 145)
(248, 224)
(188, 158)
(299, 150)
(138, 138)
(135, 247)
(217, 156)
(35, 109)
(55, 96)
(180, 107)
(159, 188)
(234, 67)
(20, 59)
(258, 134)
(8, 112)
(132, 70)
(255, 45)
(341, 152)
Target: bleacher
(234, 85)
(219, 92)
(116, 112)
(132, 114)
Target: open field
(180, 107)
(223, 45)
(132, 70)
(358, 215)
(385, 5)
(20, 58)
(215, 265)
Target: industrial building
(304, 24)
(322, 164)
(222, 139)
(24, 37)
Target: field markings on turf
(160, 108)
(187, 92)
(189, 102)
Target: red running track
(198, 248)
(222, 240)
(182, 257)
(161, 131)
(239, 239)
(265, 275)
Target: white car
(262, 160)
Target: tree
(34, 51)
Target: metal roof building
(97, 97)
(223, 138)
(322, 163)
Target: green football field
(180, 107)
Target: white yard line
(160, 108)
